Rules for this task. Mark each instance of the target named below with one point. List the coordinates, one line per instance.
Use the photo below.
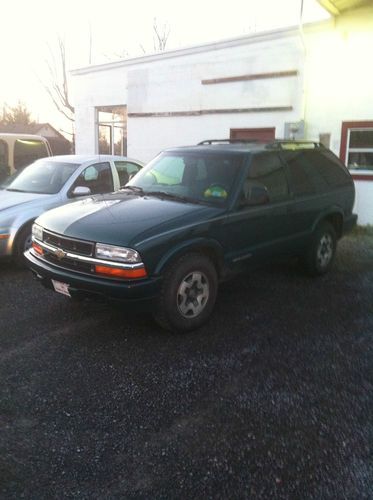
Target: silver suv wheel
(193, 294)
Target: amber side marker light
(116, 272)
(37, 248)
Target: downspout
(305, 87)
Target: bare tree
(58, 88)
(160, 35)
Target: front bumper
(143, 292)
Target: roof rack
(290, 144)
(285, 144)
(230, 141)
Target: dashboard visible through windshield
(204, 177)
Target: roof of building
(201, 48)
(337, 7)
(30, 128)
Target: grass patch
(362, 231)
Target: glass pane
(118, 141)
(267, 170)
(27, 151)
(104, 140)
(360, 161)
(97, 178)
(206, 178)
(361, 138)
(44, 176)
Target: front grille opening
(74, 265)
(69, 244)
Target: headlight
(120, 254)
(37, 232)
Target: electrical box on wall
(294, 130)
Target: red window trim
(345, 127)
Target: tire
(22, 243)
(321, 253)
(188, 293)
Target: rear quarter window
(330, 168)
(304, 179)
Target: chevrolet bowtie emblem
(59, 253)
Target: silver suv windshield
(197, 177)
(43, 176)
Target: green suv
(193, 217)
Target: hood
(123, 219)
(9, 199)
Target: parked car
(19, 150)
(51, 182)
(193, 217)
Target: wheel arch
(210, 248)
(335, 217)
(19, 232)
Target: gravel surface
(272, 399)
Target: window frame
(347, 128)
(112, 126)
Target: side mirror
(80, 191)
(256, 195)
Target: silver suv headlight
(119, 254)
(37, 232)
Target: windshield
(198, 177)
(43, 176)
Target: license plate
(61, 287)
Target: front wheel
(320, 255)
(23, 242)
(188, 293)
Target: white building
(313, 82)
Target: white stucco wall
(364, 201)
(339, 75)
(171, 82)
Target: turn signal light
(37, 248)
(116, 272)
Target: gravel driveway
(273, 398)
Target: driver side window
(97, 178)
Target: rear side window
(267, 170)
(26, 151)
(304, 178)
(125, 170)
(330, 168)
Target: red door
(258, 134)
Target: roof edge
(197, 49)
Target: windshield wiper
(135, 189)
(171, 196)
(16, 190)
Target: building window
(112, 130)
(357, 145)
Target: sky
(118, 28)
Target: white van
(19, 150)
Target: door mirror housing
(80, 191)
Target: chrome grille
(68, 244)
